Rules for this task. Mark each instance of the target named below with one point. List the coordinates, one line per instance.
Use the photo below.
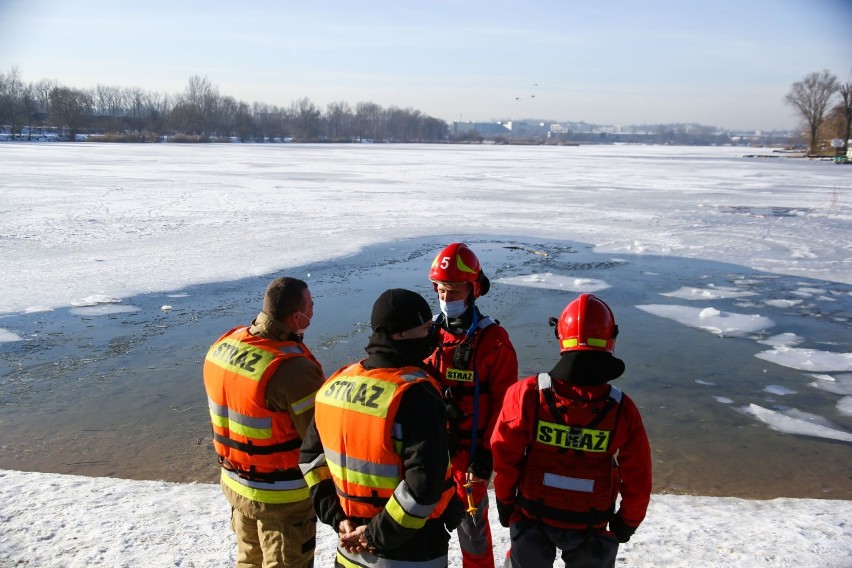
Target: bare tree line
(199, 113)
(825, 106)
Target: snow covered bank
(66, 521)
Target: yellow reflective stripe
(237, 428)
(220, 421)
(304, 404)
(248, 431)
(593, 341)
(316, 475)
(462, 266)
(364, 479)
(259, 428)
(240, 358)
(266, 495)
(401, 516)
(345, 562)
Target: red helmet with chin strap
(457, 263)
(586, 324)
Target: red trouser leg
(474, 533)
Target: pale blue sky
(717, 62)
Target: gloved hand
(483, 464)
(454, 514)
(620, 529)
(505, 512)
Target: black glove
(483, 464)
(454, 514)
(504, 512)
(622, 531)
(454, 417)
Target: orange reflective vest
(355, 416)
(258, 448)
(571, 476)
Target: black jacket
(425, 458)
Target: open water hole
(121, 394)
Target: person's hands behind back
(454, 513)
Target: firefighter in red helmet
(566, 445)
(475, 364)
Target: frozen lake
(729, 276)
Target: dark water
(121, 395)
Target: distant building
(485, 129)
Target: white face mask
(301, 330)
(452, 309)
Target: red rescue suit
(491, 362)
(583, 446)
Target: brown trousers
(274, 541)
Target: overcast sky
(725, 63)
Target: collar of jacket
(461, 324)
(266, 327)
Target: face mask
(452, 309)
(301, 330)
(415, 351)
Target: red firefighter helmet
(457, 263)
(587, 324)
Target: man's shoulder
(525, 384)
(298, 373)
(495, 333)
(426, 392)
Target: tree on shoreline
(811, 97)
(199, 113)
(843, 111)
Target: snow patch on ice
(808, 292)
(709, 293)
(102, 310)
(782, 303)
(793, 421)
(94, 300)
(779, 390)
(808, 359)
(552, 281)
(7, 336)
(710, 319)
(840, 385)
(37, 310)
(782, 340)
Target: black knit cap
(398, 310)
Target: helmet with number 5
(457, 263)
(587, 324)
